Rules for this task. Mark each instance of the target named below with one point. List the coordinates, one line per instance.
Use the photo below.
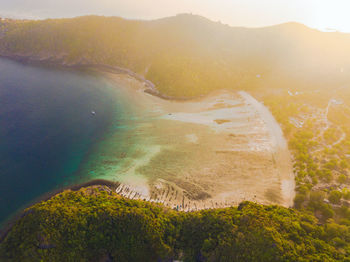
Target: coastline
(150, 87)
(195, 125)
(7, 225)
(221, 114)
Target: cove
(50, 118)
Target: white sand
(227, 145)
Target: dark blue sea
(47, 128)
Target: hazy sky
(320, 14)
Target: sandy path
(328, 124)
(276, 135)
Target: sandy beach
(211, 152)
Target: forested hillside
(187, 55)
(95, 224)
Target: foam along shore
(215, 151)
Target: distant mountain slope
(187, 55)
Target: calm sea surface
(60, 127)
(49, 120)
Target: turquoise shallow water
(165, 151)
(47, 128)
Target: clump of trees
(95, 224)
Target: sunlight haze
(174, 130)
(321, 14)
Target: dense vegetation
(317, 127)
(95, 224)
(187, 55)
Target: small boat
(93, 112)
